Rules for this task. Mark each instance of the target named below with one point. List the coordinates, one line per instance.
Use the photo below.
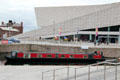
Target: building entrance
(108, 39)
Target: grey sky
(23, 10)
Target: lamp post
(96, 40)
(119, 37)
(53, 27)
(108, 36)
(42, 75)
(77, 33)
(60, 31)
(8, 31)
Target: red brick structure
(10, 29)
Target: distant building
(10, 29)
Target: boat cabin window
(49, 56)
(71, 56)
(14, 53)
(40, 56)
(62, 56)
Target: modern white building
(79, 22)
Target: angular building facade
(79, 22)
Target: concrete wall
(108, 52)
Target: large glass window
(111, 28)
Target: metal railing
(106, 70)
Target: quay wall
(108, 52)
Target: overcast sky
(23, 10)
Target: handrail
(107, 61)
